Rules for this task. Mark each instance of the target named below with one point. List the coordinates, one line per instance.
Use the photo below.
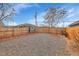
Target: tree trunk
(1, 24)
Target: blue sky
(25, 12)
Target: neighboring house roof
(26, 24)
(75, 23)
(21, 25)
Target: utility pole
(13, 22)
(36, 23)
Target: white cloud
(12, 23)
(19, 7)
(42, 14)
(70, 15)
(73, 13)
(71, 10)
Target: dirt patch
(40, 44)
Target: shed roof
(75, 23)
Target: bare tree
(6, 12)
(54, 15)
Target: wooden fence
(49, 30)
(10, 32)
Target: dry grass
(73, 40)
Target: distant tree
(6, 12)
(54, 15)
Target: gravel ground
(40, 44)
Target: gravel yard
(40, 44)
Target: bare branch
(55, 15)
(6, 11)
